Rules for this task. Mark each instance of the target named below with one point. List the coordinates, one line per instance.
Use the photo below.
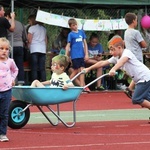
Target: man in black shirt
(4, 23)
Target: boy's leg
(37, 83)
(82, 81)
(129, 90)
(99, 73)
(81, 77)
(91, 61)
(132, 85)
(141, 94)
(73, 73)
(145, 104)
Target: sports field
(104, 121)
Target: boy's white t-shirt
(133, 67)
(60, 80)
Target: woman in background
(37, 38)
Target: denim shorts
(78, 63)
(141, 92)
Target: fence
(53, 31)
(23, 13)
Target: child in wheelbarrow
(59, 77)
(124, 59)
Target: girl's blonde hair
(3, 39)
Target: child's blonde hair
(116, 41)
(3, 39)
(72, 21)
(62, 60)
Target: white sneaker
(3, 138)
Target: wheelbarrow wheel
(18, 119)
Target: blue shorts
(141, 92)
(78, 63)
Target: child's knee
(137, 101)
(34, 83)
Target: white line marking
(121, 125)
(81, 134)
(70, 146)
(99, 127)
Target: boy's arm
(66, 86)
(97, 65)
(118, 65)
(46, 82)
(143, 44)
(67, 82)
(140, 40)
(67, 49)
(86, 50)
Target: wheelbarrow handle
(100, 77)
(82, 72)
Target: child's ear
(62, 68)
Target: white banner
(85, 24)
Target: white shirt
(133, 67)
(60, 80)
(38, 43)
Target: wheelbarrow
(26, 96)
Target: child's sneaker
(3, 138)
(87, 90)
(128, 92)
(100, 88)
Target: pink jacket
(8, 74)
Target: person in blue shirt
(95, 51)
(76, 49)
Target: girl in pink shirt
(8, 73)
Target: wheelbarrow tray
(46, 95)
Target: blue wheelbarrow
(26, 96)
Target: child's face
(94, 42)
(31, 21)
(56, 68)
(4, 50)
(74, 27)
(115, 51)
(135, 22)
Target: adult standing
(37, 38)
(4, 23)
(19, 39)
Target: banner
(85, 24)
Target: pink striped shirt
(8, 74)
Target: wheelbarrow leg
(59, 118)
(24, 109)
(54, 124)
